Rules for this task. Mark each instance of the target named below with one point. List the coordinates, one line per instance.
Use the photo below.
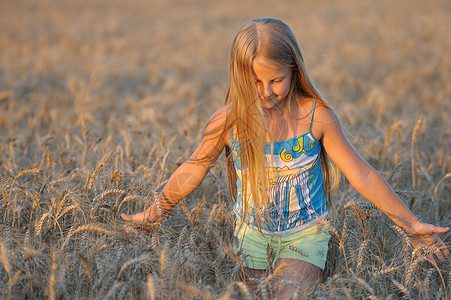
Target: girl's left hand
(423, 235)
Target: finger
(431, 259)
(437, 229)
(444, 249)
(441, 245)
(133, 218)
(125, 217)
(439, 256)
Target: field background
(101, 100)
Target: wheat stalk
(162, 262)
(294, 249)
(90, 181)
(116, 176)
(145, 169)
(402, 288)
(194, 290)
(435, 194)
(427, 281)
(276, 271)
(5, 261)
(402, 233)
(150, 287)
(89, 228)
(128, 198)
(61, 202)
(86, 267)
(158, 203)
(364, 284)
(393, 172)
(416, 129)
(388, 270)
(27, 172)
(68, 209)
(196, 212)
(113, 289)
(185, 210)
(51, 286)
(109, 192)
(143, 257)
(40, 223)
(230, 289)
(84, 131)
(5, 198)
(360, 252)
(412, 266)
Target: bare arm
(189, 175)
(370, 184)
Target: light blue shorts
(309, 245)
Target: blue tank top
(295, 185)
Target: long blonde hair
(272, 39)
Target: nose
(265, 90)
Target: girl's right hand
(149, 216)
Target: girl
(276, 129)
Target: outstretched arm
(370, 184)
(189, 175)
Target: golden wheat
(150, 287)
(4, 259)
(241, 286)
(402, 288)
(86, 95)
(192, 290)
(92, 177)
(89, 228)
(416, 129)
(86, 267)
(27, 172)
(109, 192)
(52, 279)
(144, 257)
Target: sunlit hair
(273, 40)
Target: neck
(280, 120)
(281, 112)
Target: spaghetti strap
(311, 117)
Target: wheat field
(101, 100)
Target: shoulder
(218, 119)
(324, 119)
(216, 126)
(324, 113)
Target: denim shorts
(309, 244)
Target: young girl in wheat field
(279, 134)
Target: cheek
(283, 90)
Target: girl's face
(273, 82)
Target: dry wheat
(108, 192)
(27, 172)
(192, 290)
(143, 257)
(416, 129)
(150, 287)
(4, 259)
(402, 288)
(86, 267)
(52, 279)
